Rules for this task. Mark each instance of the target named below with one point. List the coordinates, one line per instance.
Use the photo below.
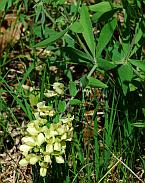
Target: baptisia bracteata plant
(45, 140)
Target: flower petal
(57, 146)
(49, 148)
(47, 159)
(43, 171)
(23, 162)
(40, 139)
(28, 141)
(25, 148)
(34, 160)
(59, 159)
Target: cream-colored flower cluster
(45, 140)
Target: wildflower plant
(45, 139)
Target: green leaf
(105, 36)
(137, 40)
(75, 102)
(3, 4)
(72, 88)
(84, 81)
(105, 65)
(138, 63)
(87, 29)
(79, 54)
(125, 73)
(77, 27)
(34, 99)
(61, 2)
(93, 82)
(51, 39)
(62, 106)
(101, 7)
(139, 125)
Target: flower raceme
(42, 143)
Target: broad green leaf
(84, 81)
(93, 82)
(69, 41)
(62, 106)
(68, 73)
(87, 29)
(101, 7)
(51, 39)
(117, 53)
(137, 39)
(103, 16)
(3, 4)
(105, 65)
(75, 102)
(126, 45)
(138, 63)
(138, 33)
(132, 87)
(77, 27)
(125, 73)
(105, 36)
(72, 88)
(61, 2)
(79, 54)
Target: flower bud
(23, 162)
(59, 159)
(43, 171)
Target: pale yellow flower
(59, 88)
(59, 159)
(32, 129)
(34, 159)
(23, 162)
(44, 110)
(50, 133)
(43, 171)
(47, 159)
(61, 130)
(57, 146)
(66, 120)
(25, 148)
(51, 140)
(50, 93)
(64, 136)
(40, 139)
(30, 141)
(49, 148)
(51, 113)
(40, 121)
